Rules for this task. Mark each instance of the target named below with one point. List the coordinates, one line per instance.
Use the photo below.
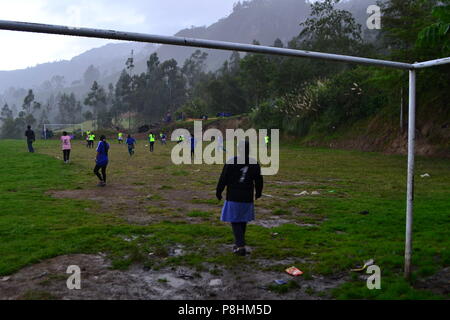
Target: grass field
(151, 206)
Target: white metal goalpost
(231, 46)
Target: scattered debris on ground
(99, 281)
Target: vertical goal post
(231, 46)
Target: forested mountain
(108, 59)
(261, 20)
(303, 98)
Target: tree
(256, 75)
(175, 86)
(194, 68)
(6, 112)
(69, 109)
(234, 63)
(122, 93)
(438, 33)
(90, 75)
(278, 43)
(27, 102)
(329, 30)
(96, 98)
(402, 22)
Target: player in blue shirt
(101, 161)
(130, 143)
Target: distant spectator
(30, 138)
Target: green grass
(35, 226)
(197, 213)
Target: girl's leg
(104, 173)
(68, 155)
(239, 233)
(64, 155)
(96, 169)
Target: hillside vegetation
(325, 103)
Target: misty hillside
(109, 59)
(261, 20)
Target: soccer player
(130, 142)
(91, 140)
(30, 138)
(66, 146)
(151, 139)
(88, 133)
(242, 177)
(101, 161)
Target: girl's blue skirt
(238, 211)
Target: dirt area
(135, 203)
(48, 280)
(439, 283)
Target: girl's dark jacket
(244, 181)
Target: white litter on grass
(5, 278)
(132, 238)
(215, 282)
(178, 252)
(426, 175)
(301, 194)
(274, 197)
(315, 193)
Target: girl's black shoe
(239, 251)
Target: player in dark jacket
(242, 177)
(30, 138)
(101, 161)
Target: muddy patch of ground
(48, 280)
(439, 283)
(138, 205)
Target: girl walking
(66, 146)
(101, 161)
(242, 177)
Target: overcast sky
(19, 50)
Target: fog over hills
(261, 20)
